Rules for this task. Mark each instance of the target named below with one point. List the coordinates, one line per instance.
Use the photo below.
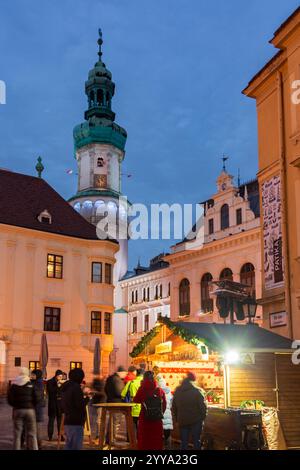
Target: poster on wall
(272, 233)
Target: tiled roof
(23, 198)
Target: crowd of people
(155, 409)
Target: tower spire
(100, 42)
(224, 158)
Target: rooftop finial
(100, 42)
(239, 177)
(224, 158)
(39, 167)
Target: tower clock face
(100, 181)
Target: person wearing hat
(73, 405)
(189, 411)
(113, 389)
(24, 397)
(54, 401)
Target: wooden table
(111, 409)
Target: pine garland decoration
(184, 333)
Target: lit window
(33, 365)
(54, 266)
(75, 365)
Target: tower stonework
(99, 145)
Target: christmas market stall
(245, 371)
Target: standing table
(116, 408)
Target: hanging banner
(272, 233)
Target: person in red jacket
(150, 431)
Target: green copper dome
(99, 125)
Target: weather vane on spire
(224, 158)
(100, 42)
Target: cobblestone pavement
(6, 431)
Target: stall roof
(247, 337)
(220, 337)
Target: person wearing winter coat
(24, 397)
(113, 389)
(54, 399)
(131, 375)
(73, 405)
(167, 419)
(150, 433)
(130, 391)
(99, 396)
(189, 411)
(38, 384)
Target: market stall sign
(278, 319)
(163, 348)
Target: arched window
(100, 209)
(92, 98)
(87, 208)
(100, 97)
(226, 274)
(207, 304)
(112, 207)
(77, 206)
(184, 297)
(224, 217)
(247, 276)
(108, 100)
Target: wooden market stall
(234, 364)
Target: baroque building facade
(276, 91)
(56, 279)
(226, 245)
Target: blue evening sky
(179, 68)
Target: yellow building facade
(276, 91)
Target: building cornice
(216, 246)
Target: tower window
(99, 97)
(210, 226)
(100, 162)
